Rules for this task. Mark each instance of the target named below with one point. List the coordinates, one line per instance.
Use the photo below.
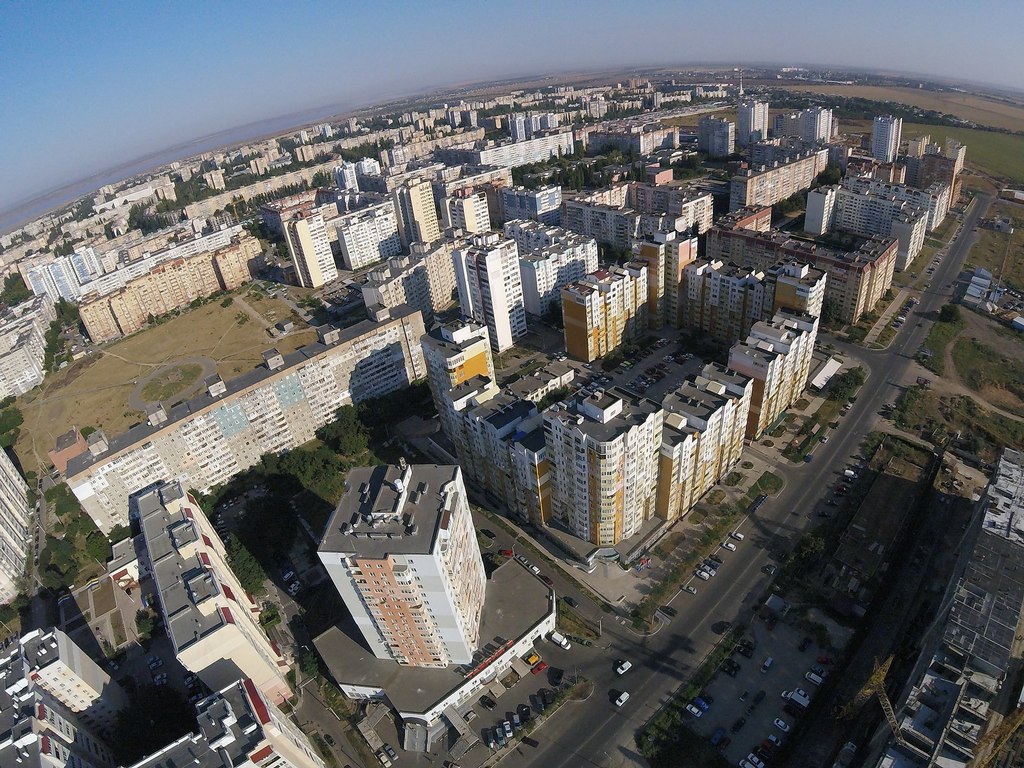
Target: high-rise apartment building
(212, 622)
(885, 138)
(813, 125)
(417, 215)
(490, 287)
(23, 345)
(512, 154)
(603, 456)
(771, 185)
(310, 250)
(226, 429)
(543, 205)
(424, 280)
(665, 255)
(716, 136)
(777, 356)
(549, 258)
(368, 235)
(401, 550)
(346, 177)
(15, 528)
(751, 122)
(929, 164)
(238, 726)
(690, 209)
(468, 212)
(605, 309)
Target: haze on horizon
(89, 87)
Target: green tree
(950, 313)
(346, 434)
(97, 547)
(831, 175)
(310, 664)
(246, 567)
(144, 623)
(14, 291)
(119, 533)
(322, 179)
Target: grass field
(998, 379)
(1001, 253)
(94, 391)
(998, 154)
(978, 109)
(171, 382)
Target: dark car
(524, 713)
(547, 580)
(329, 739)
(556, 675)
(547, 696)
(759, 697)
(668, 610)
(488, 533)
(487, 702)
(804, 644)
(717, 736)
(745, 650)
(738, 725)
(570, 602)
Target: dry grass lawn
(1001, 253)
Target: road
(595, 732)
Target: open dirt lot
(979, 109)
(1001, 253)
(94, 391)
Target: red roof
(256, 701)
(261, 754)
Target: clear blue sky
(86, 85)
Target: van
(849, 474)
(559, 639)
(767, 664)
(816, 679)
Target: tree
(346, 434)
(831, 175)
(97, 547)
(310, 664)
(144, 623)
(14, 291)
(950, 313)
(119, 533)
(246, 567)
(322, 179)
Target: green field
(997, 154)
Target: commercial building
(490, 287)
(310, 250)
(543, 205)
(512, 154)
(812, 125)
(36, 729)
(15, 528)
(604, 310)
(856, 279)
(603, 456)
(467, 211)
(716, 136)
(417, 215)
(549, 258)
(368, 235)
(23, 345)
(777, 357)
(768, 185)
(209, 439)
(424, 280)
(751, 122)
(702, 437)
(401, 550)
(885, 138)
(169, 285)
(212, 622)
(238, 726)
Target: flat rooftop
(515, 601)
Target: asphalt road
(595, 732)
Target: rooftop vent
(273, 359)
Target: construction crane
(875, 686)
(993, 741)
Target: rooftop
(604, 415)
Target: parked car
(668, 610)
(738, 724)
(622, 699)
(570, 602)
(782, 725)
(695, 711)
(623, 667)
(391, 751)
(729, 545)
(487, 702)
(539, 668)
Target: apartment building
(602, 452)
(424, 280)
(886, 132)
(209, 439)
(812, 125)
(716, 136)
(368, 235)
(605, 309)
(275, 213)
(549, 259)
(168, 286)
(638, 139)
(238, 726)
(934, 200)
(212, 622)
(929, 164)
(490, 287)
(607, 224)
(856, 279)
(666, 256)
(346, 177)
(16, 524)
(702, 437)
(777, 357)
(768, 185)
(692, 209)
(417, 215)
(401, 550)
(36, 729)
(751, 122)
(513, 154)
(23, 345)
(468, 212)
(310, 250)
(543, 204)
(868, 213)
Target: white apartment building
(550, 258)
(543, 205)
(811, 125)
(417, 215)
(513, 154)
(490, 287)
(424, 280)
(467, 212)
(757, 187)
(401, 550)
(346, 177)
(23, 345)
(310, 250)
(885, 138)
(212, 622)
(716, 136)
(368, 235)
(751, 122)
(602, 452)
(219, 433)
(934, 200)
(15, 528)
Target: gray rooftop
(387, 510)
(635, 410)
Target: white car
(695, 711)
(782, 725)
(703, 575)
(623, 698)
(754, 760)
(623, 668)
(729, 545)
(736, 535)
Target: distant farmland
(998, 154)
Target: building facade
(368, 235)
(490, 287)
(771, 185)
(417, 215)
(549, 258)
(751, 122)
(310, 250)
(604, 310)
(716, 137)
(424, 280)
(543, 205)
(468, 212)
(885, 138)
(15, 528)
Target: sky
(87, 86)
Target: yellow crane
(875, 686)
(995, 740)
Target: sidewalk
(887, 315)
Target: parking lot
(658, 369)
(746, 706)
